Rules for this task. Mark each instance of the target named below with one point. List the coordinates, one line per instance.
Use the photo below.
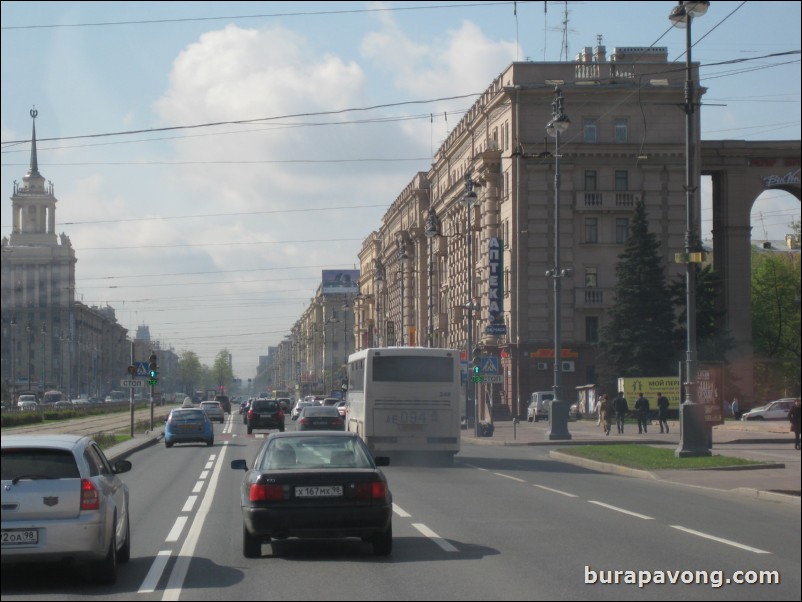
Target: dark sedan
(318, 485)
(265, 414)
(317, 418)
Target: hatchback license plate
(319, 491)
(20, 537)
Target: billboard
(340, 281)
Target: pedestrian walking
(605, 413)
(736, 410)
(794, 418)
(662, 411)
(642, 412)
(621, 409)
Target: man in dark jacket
(642, 410)
(621, 409)
(662, 411)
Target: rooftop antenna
(564, 29)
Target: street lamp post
(431, 231)
(470, 199)
(44, 380)
(558, 411)
(379, 276)
(29, 330)
(693, 438)
(13, 360)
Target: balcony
(609, 200)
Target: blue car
(188, 425)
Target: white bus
(406, 399)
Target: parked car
(539, 405)
(214, 410)
(316, 418)
(63, 501)
(265, 414)
(28, 406)
(774, 410)
(317, 485)
(63, 405)
(188, 425)
(330, 401)
(22, 398)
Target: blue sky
(251, 213)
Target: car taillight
(376, 490)
(90, 496)
(304, 421)
(280, 413)
(338, 421)
(250, 413)
(261, 492)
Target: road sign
(489, 365)
(141, 368)
(494, 379)
(127, 383)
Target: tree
(189, 371)
(221, 370)
(639, 339)
(776, 323)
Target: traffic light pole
(132, 392)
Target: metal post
(693, 439)
(131, 393)
(558, 410)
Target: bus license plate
(20, 537)
(319, 491)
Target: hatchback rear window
(39, 464)
(265, 406)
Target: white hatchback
(774, 410)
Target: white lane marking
(721, 540)
(190, 503)
(476, 467)
(565, 493)
(179, 573)
(175, 532)
(155, 573)
(209, 465)
(198, 486)
(506, 476)
(435, 537)
(399, 511)
(203, 475)
(617, 509)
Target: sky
(211, 159)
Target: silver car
(62, 500)
(214, 410)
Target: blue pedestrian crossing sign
(489, 364)
(141, 368)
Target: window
(621, 181)
(590, 180)
(620, 133)
(591, 277)
(591, 230)
(621, 230)
(590, 128)
(592, 329)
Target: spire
(34, 170)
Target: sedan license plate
(20, 537)
(319, 491)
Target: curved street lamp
(470, 199)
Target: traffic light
(153, 369)
(476, 365)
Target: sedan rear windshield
(265, 406)
(38, 464)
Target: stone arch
(740, 172)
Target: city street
(505, 522)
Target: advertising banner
(340, 281)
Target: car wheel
(124, 553)
(536, 418)
(251, 545)
(105, 571)
(210, 442)
(383, 542)
(529, 418)
(281, 428)
(250, 429)
(168, 444)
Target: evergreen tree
(639, 338)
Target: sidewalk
(777, 478)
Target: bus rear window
(407, 369)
